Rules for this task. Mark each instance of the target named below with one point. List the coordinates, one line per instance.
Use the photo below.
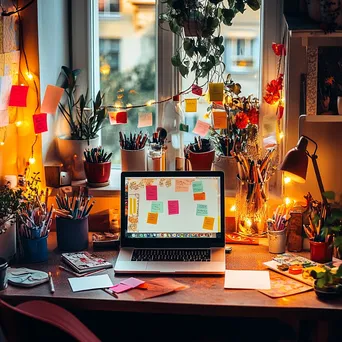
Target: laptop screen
(163, 205)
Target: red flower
(253, 116)
(273, 90)
(279, 49)
(241, 120)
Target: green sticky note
(197, 186)
(157, 207)
(183, 127)
(202, 210)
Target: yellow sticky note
(216, 91)
(220, 119)
(191, 105)
(152, 218)
(208, 223)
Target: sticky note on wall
(152, 218)
(200, 196)
(40, 123)
(145, 119)
(18, 96)
(157, 207)
(201, 128)
(220, 119)
(197, 186)
(216, 91)
(173, 207)
(117, 118)
(191, 105)
(51, 99)
(208, 223)
(151, 193)
(202, 210)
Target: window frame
(85, 47)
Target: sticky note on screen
(208, 223)
(173, 207)
(197, 186)
(152, 218)
(151, 193)
(182, 185)
(202, 210)
(157, 207)
(199, 196)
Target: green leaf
(320, 283)
(203, 51)
(189, 46)
(228, 15)
(176, 61)
(218, 40)
(329, 195)
(194, 66)
(240, 6)
(339, 272)
(338, 241)
(215, 2)
(221, 49)
(174, 27)
(231, 3)
(254, 4)
(184, 70)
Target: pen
(52, 286)
(112, 293)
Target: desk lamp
(296, 164)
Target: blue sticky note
(197, 186)
(202, 210)
(157, 207)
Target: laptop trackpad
(168, 267)
(130, 266)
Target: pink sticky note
(201, 128)
(132, 282)
(197, 90)
(18, 96)
(118, 288)
(151, 193)
(51, 99)
(173, 207)
(145, 120)
(40, 123)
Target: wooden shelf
(321, 118)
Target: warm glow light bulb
(18, 123)
(281, 135)
(2, 143)
(29, 75)
(287, 180)
(233, 207)
(150, 103)
(248, 222)
(129, 105)
(32, 160)
(288, 201)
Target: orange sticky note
(216, 91)
(199, 196)
(117, 118)
(220, 119)
(145, 120)
(51, 99)
(208, 223)
(191, 105)
(182, 185)
(201, 128)
(152, 218)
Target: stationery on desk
(132, 141)
(238, 279)
(90, 283)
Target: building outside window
(109, 6)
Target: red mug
(321, 252)
(97, 172)
(201, 161)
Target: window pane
(241, 57)
(127, 59)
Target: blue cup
(34, 250)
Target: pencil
(51, 284)
(112, 293)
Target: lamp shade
(295, 163)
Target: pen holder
(97, 173)
(72, 235)
(276, 241)
(251, 208)
(3, 273)
(228, 165)
(201, 161)
(34, 250)
(321, 252)
(133, 160)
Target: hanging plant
(198, 25)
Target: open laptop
(172, 222)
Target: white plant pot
(339, 105)
(71, 154)
(8, 241)
(228, 165)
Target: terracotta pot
(321, 252)
(228, 165)
(8, 241)
(97, 172)
(201, 161)
(71, 154)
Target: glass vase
(251, 208)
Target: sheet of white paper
(5, 90)
(258, 280)
(90, 283)
(4, 118)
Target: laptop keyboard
(171, 255)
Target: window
(109, 6)
(109, 55)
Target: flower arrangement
(241, 134)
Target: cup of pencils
(97, 166)
(34, 227)
(133, 153)
(199, 155)
(72, 221)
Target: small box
(55, 177)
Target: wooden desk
(206, 295)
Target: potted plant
(84, 122)
(97, 166)
(197, 24)
(240, 133)
(10, 205)
(328, 284)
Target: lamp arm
(314, 142)
(319, 178)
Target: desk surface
(206, 295)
